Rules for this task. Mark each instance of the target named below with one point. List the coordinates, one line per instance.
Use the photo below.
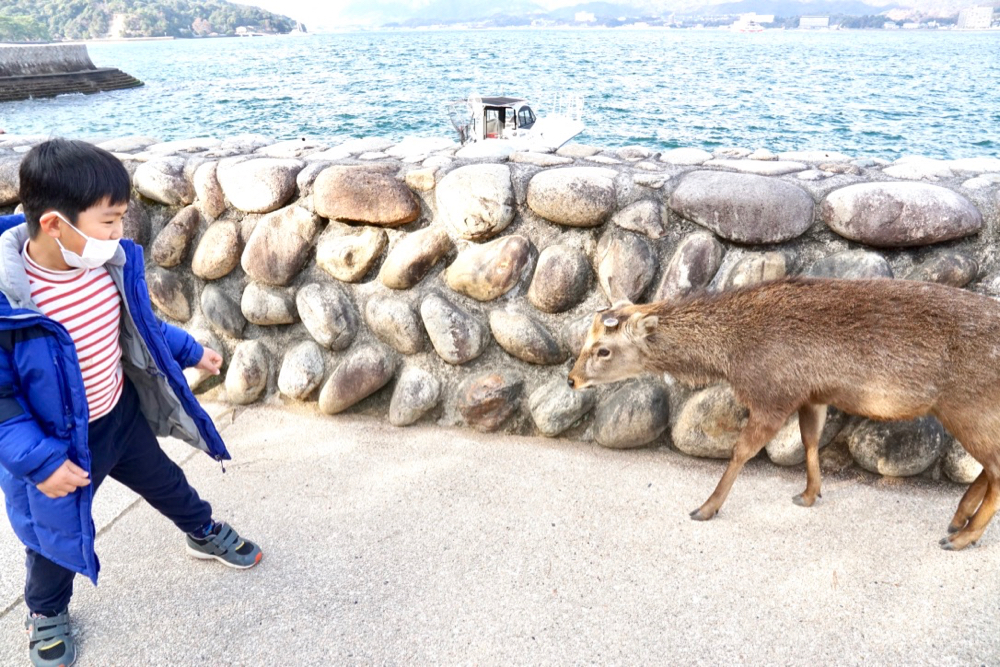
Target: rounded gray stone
(633, 416)
(162, 180)
(645, 217)
(948, 267)
(574, 333)
(395, 324)
(360, 194)
(555, 407)
(259, 185)
(744, 207)
(692, 267)
(457, 336)
(561, 280)
(365, 370)
(786, 448)
(754, 268)
(246, 379)
(279, 245)
(208, 192)
(328, 314)
(851, 264)
(10, 180)
(169, 294)
(625, 266)
(958, 464)
(898, 449)
(709, 423)
(222, 312)
(347, 253)
(900, 214)
(476, 201)
(301, 370)
(172, 243)
(487, 272)
(758, 167)
(267, 306)
(417, 392)
(136, 224)
(685, 156)
(523, 337)
(573, 196)
(413, 257)
(196, 376)
(487, 401)
(218, 251)
(577, 150)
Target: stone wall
(423, 282)
(33, 59)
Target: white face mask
(95, 253)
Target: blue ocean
(867, 93)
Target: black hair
(69, 176)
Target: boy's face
(102, 221)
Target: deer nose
(571, 382)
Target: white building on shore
(975, 18)
(814, 22)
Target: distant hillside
(24, 20)
(796, 8)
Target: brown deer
(882, 349)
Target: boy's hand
(65, 480)
(211, 361)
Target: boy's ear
(49, 225)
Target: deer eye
(603, 352)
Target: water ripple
(867, 93)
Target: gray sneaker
(49, 641)
(225, 546)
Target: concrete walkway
(438, 546)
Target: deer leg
(811, 421)
(970, 503)
(977, 524)
(757, 433)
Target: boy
(88, 378)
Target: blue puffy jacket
(43, 405)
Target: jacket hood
(13, 280)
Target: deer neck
(693, 344)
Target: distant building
(585, 17)
(814, 22)
(751, 22)
(975, 18)
(911, 25)
(890, 25)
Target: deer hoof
(954, 529)
(698, 515)
(947, 546)
(802, 501)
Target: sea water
(866, 93)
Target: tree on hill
(22, 29)
(25, 20)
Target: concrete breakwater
(423, 281)
(47, 70)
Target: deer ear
(621, 301)
(646, 325)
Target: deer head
(615, 346)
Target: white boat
(513, 121)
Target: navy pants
(122, 446)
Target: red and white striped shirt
(87, 303)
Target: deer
(880, 349)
